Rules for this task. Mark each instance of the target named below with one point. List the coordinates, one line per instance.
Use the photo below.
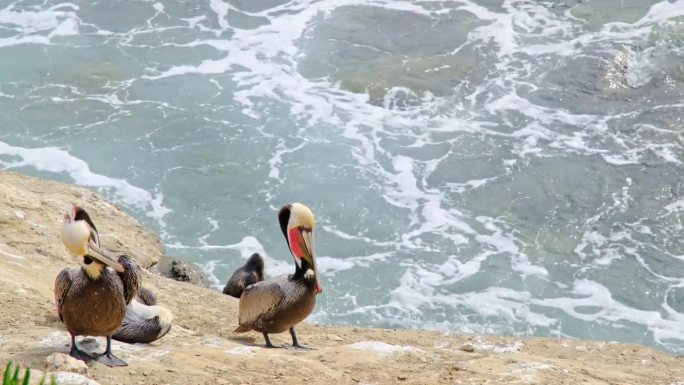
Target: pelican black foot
(298, 348)
(80, 354)
(111, 360)
(295, 343)
(77, 353)
(107, 358)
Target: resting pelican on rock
(145, 321)
(278, 304)
(251, 272)
(96, 301)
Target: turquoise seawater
(509, 167)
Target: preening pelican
(96, 301)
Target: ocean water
(510, 167)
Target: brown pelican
(251, 272)
(278, 304)
(91, 301)
(145, 321)
(96, 301)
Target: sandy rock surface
(58, 362)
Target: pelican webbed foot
(295, 343)
(77, 353)
(109, 359)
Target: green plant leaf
(27, 376)
(15, 378)
(8, 369)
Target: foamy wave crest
(38, 27)
(55, 160)
(594, 302)
(246, 247)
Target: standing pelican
(251, 272)
(91, 301)
(96, 301)
(278, 304)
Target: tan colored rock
(68, 378)
(58, 362)
(468, 348)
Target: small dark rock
(176, 268)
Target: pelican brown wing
(62, 285)
(259, 301)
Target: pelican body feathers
(278, 304)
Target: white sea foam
(17, 40)
(414, 296)
(664, 10)
(675, 206)
(56, 161)
(30, 26)
(247, 246)
(209, 268)
(277, 158)
(68, 27)
(507, 244)
(329, 265)
(35, 21)
(590, 293)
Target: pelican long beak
(104, 258)
(302, 248)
